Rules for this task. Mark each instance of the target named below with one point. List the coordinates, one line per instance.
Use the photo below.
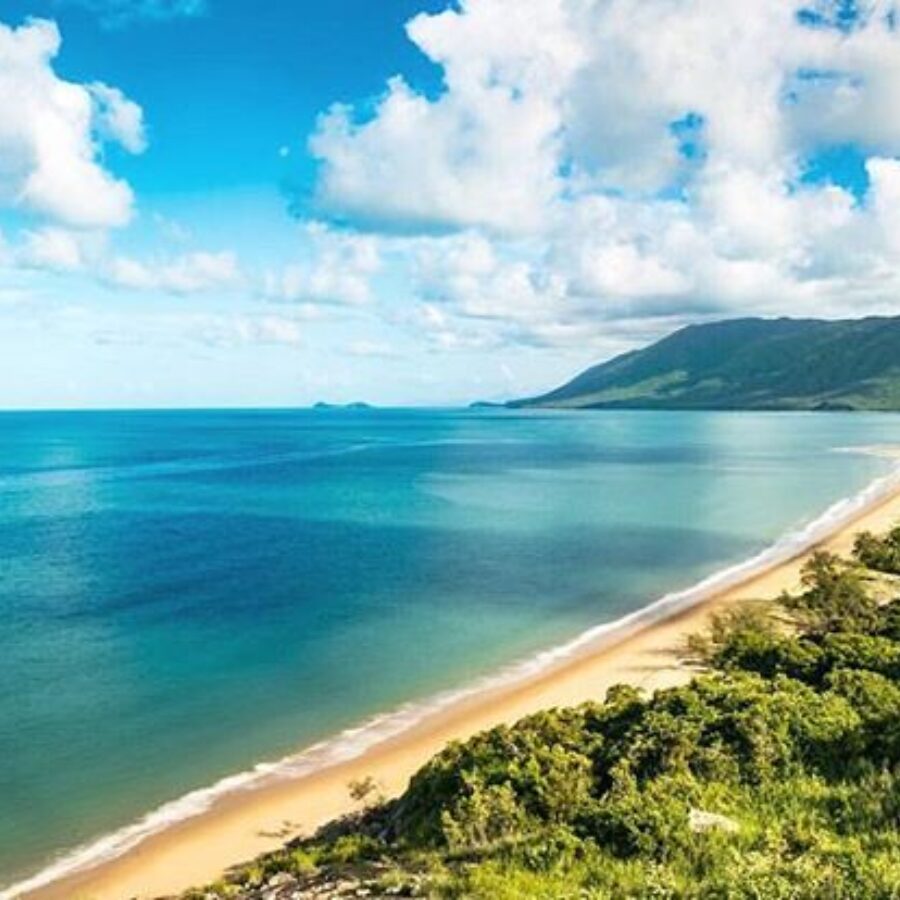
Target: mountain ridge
(748, 363)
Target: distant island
(357, 405)
(762, 364)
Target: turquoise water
(185, 594)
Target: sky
(270, 203)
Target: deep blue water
(184, 594)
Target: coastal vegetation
(774, 773)
(879, 553)
(782, 364)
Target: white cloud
(188, 273)
(485, 152)
(117, 118)
(594, 167)
(538, 87)
(56, 249)
(466, 273)
(339, 269)
(885, 198)
(52, 248)
(51, 131)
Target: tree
(833, 597)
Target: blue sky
(225, 89)
(218, 202)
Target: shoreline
(260, 810)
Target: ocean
(187, 594)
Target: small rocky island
(321, 405)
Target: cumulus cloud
(467, 273)
(485, 152)
(51, 133)
(338, 270)
(598, 167)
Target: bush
(834, 598)
(881, 554)
(483, 815)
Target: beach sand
(241, 825)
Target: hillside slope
(748, 364)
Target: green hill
(749, 364)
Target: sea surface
(185, 594)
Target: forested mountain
(748, 364)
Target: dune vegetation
(775, 773)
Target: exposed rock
(699, 821)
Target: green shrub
(879, 553)
(833, 597)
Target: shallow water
(185, 594)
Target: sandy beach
(241, 825)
